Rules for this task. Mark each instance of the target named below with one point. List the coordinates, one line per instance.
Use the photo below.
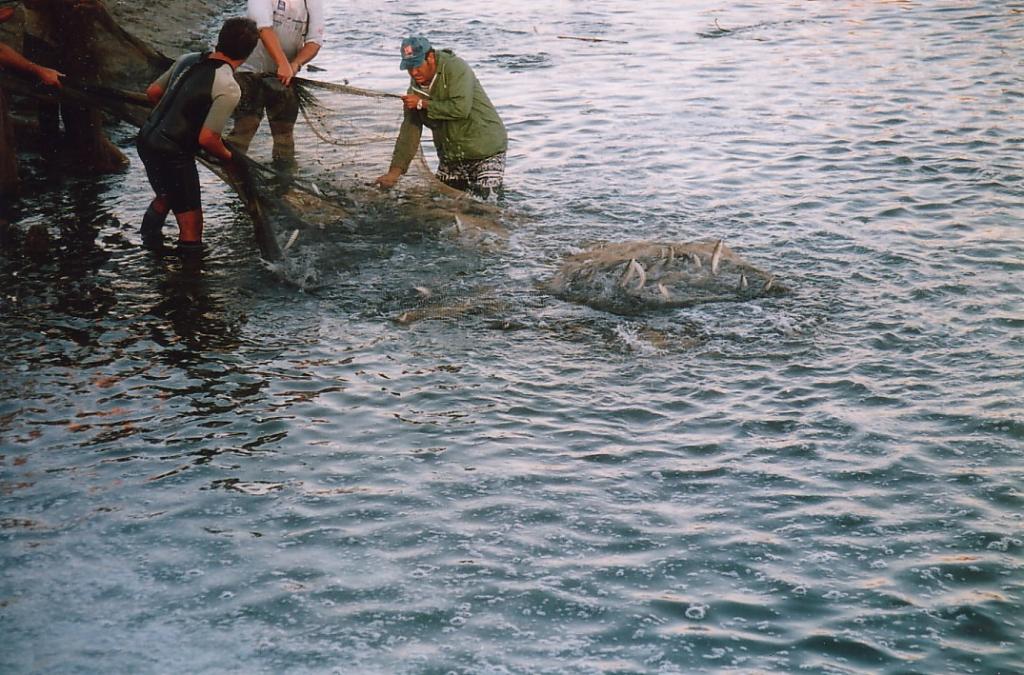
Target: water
(222, 472)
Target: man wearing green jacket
(468, 134)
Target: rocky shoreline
(169, 28)
(174, 28)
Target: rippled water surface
(217, 471)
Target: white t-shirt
(295, 22)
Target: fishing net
(344, 139)
(635, 276)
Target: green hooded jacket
(463, 120)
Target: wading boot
(189, 249)
(152, 229)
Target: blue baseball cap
(414, 50)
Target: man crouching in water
(469, 136)
(193, 99)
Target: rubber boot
(152, 229)
(189, 249)
(283, 153)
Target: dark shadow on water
(70, 270)
(193, 305)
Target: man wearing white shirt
(291, 32)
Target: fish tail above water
(641, 275)
(716, 257)
(743, 282)
(291, 239)
(633, 269)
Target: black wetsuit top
(173, 126)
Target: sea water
(218, 470)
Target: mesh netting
(344, 139)
(634, 276)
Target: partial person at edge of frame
(10, 59)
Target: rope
(345, 89)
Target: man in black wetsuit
(193, 99)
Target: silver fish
(636, 269)
(716, 257)
(291, 239)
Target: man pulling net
(445, 96)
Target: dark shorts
(265, 93)
(173, 176)
(482, 176)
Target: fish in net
(344, 139)
(635, 276)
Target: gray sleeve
(177, 68)
(165, 79)
(262, 12)
(225, 95)
(316, 22)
